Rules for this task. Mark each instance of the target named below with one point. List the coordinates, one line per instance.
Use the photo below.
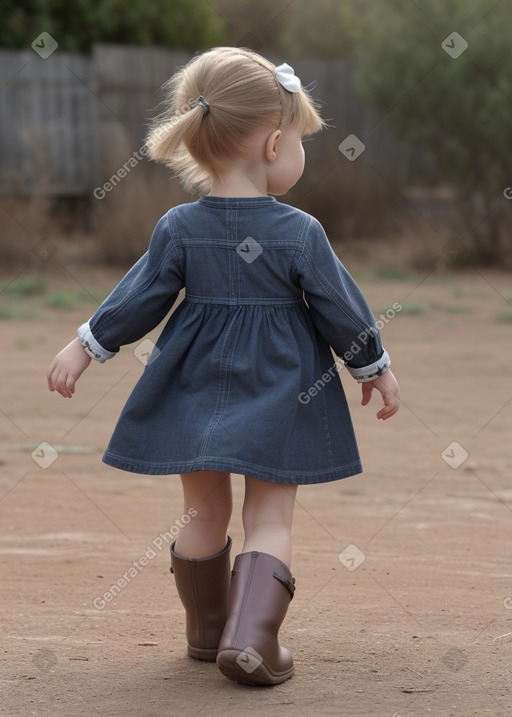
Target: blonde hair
(243, 96)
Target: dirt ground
(404, 579)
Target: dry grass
(347, 199)
(364, 218)
(125, 218)
(24, 221)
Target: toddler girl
(242, 378)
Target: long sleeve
(141, 299)
(338, 308)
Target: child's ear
(271, 146)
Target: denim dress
(242, 378)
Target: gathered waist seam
(239, 301)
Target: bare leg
(267, 517)
(209, 493)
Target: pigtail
(194, 178)
(175, 133)
(165, 140)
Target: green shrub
(26, 286)
(455, 107)
(62, 300)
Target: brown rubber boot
(261, 590)
(203, 587)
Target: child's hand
(67, 367)
(389, 390)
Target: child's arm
(137, 304)
(342, 315)
(389, 390)
(141, 300)
(67, 367)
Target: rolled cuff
(91, 346)
(371, 372)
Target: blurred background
(422, 91)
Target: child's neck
(237, 183)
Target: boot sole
(262, 675)
(202, 653)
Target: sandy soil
(415, 620)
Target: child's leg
(267, 517)
(261, 588)
(200, 560)
(209, 493)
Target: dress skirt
(241, 391)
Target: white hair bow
(287, 77)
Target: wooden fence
(68, 122)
